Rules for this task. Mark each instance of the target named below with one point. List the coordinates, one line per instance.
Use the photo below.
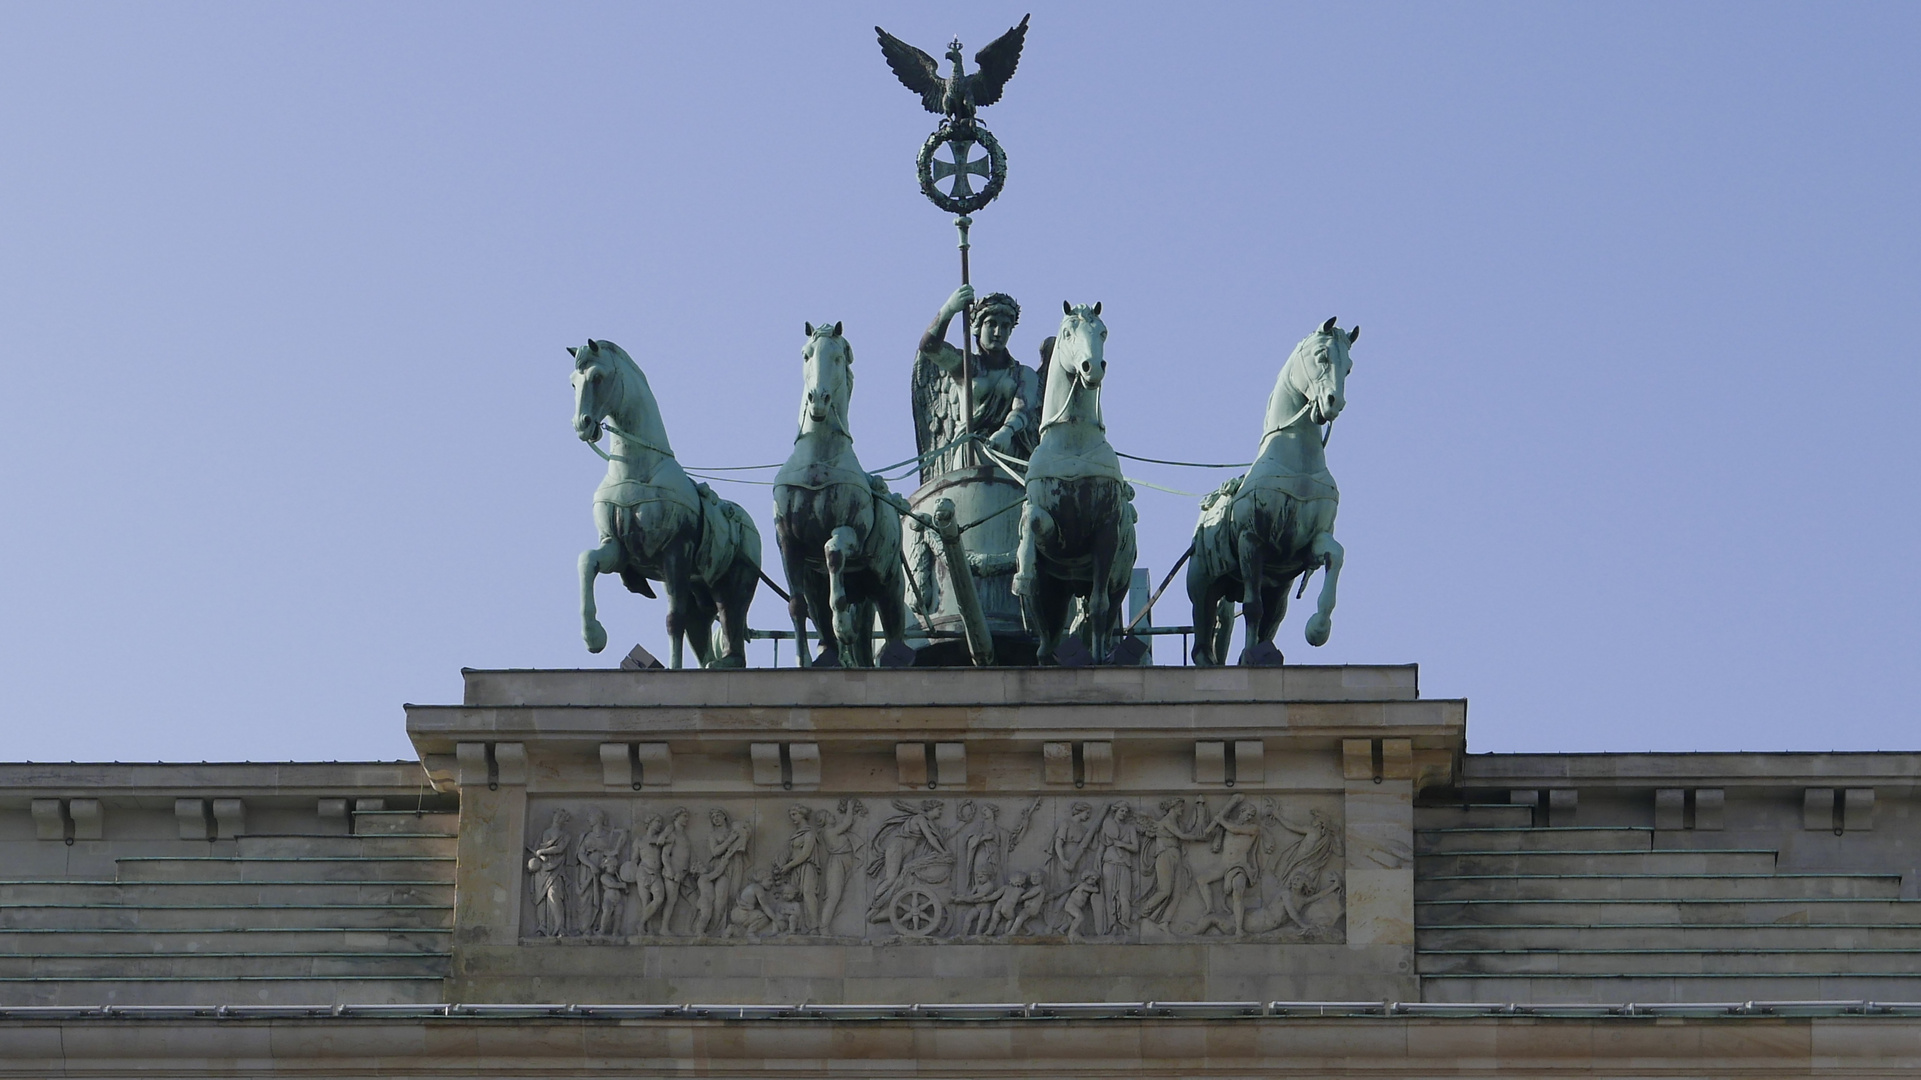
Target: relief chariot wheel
(915, 912)
(960, 137)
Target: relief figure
(613, 894)
(836, 840)
(547, 870)
(643, 869)
(1233, 865)
(597, 841)
(1075, 906)
(726, 870)
(676, 855)
(1120, 850)
(754, 913)
(1165, 835)
(908, 845)
(802, 868)
(1069, 843)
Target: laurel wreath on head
(962, 131)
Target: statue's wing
(997, 63)
(929, 423)
(916, 70)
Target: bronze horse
(839, 534)
(1260, 532)
(655, 522)
(1077, 534)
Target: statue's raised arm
(1006, 392)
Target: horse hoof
(1319, 627)
(595, 635)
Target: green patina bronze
(1077, 536)
(1261, 531)
(838, 530)
(654, 522)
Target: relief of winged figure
(959, 94)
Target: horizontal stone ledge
(436, 728)
(923, 1012)
(784, 687)
(210, 779)
(1358, 1043)
(1890, 771)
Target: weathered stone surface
(927, 815)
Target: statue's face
(1123, 812)
(994, 332)
(717, 819)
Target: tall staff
(955, 97)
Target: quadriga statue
(1077, 534)
(839, 533)
(655, 523)
(1261, 531)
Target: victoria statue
(1007, 393)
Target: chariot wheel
(915, 912)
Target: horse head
(1079, 346)
(597, 386)
(1318, 369)
(827, 366)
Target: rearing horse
(838, 531)
(1259, 532)
(1077, 533)
(655, 522)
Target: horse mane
(637, 396)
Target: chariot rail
(956, 635)
(977, 1012)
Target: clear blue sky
(1628, 461)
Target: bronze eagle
(959, 94)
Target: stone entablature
(623, 831)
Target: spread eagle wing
(917, 71)
(996, 63)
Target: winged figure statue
(959, 94)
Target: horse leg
(792, 562)
(1027, 563)
(1274, 608)
(1223, 629)
(604, 559)
(700, 624)
(1208, 598)
(1053, 601)
(594, 562)
(863, 643)
(673, 569)
(814, 587)
(1253, 566)
(891, 609)
(736, 592)
(841, 546)
(1321, 623)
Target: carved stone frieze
(881, 868)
